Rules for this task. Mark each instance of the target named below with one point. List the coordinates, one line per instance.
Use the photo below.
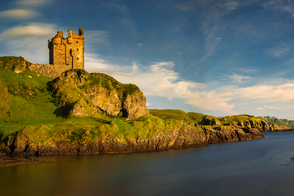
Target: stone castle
(64, 54)
(67, 53)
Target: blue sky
(217, 57)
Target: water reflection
(257, 167)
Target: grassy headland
(38, 108)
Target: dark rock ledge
(12, 160)
(182, 137)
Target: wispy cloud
(23, 9)
(126, 18)
(96, 37)
(210, 48)
(193, 4)
(279, 50)
(279, 108)
(245, 70)
(18, 14)
(230, 5)
(32, 29)
(31, 3)
(238, 78)
(279, 5)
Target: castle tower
(67, 53)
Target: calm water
(256, 167)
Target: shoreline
(6, 161)
(11, 160)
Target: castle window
(77, 49)
(77, 42)
(78, 58)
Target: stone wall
(67, 53)
(47, 70)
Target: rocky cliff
(85, 94)
(183, 136)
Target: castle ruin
(64, 54)
(67, 53)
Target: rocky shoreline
(182, 137)
(12, 160)
(283, 129)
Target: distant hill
(281, 122)
(262, 123)
(203, 119)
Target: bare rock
(134, 106)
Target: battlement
(67, 53)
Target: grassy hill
(281, 122)
(203, 119)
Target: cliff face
(85, 94)
(263, 126)
(25, 143)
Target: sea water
(256, 167)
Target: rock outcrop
(263, 126)
(87, 94)
(277, 128)
(179, 137)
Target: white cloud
(238, 78)
(31, 30)
(18, 14)
(279, 5)
(266, 93)
(211, 100)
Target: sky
(216, 57)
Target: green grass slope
(24, 100)
(281, 122)
(203, 119)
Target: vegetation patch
(281, 122)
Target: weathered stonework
(64, 54)
(67, 53)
